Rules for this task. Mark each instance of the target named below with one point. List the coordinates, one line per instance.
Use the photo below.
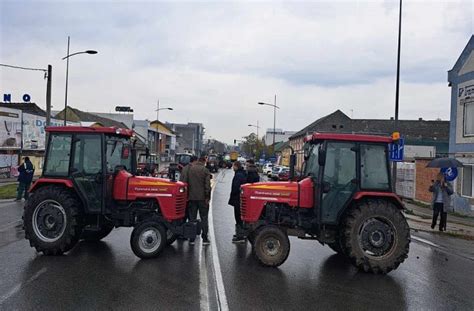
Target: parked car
(285, 175)
(277, 170)
(267, 168)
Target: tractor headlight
(182, 190)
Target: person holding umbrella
(442, 190)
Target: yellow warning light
(396, 136)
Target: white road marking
(18, 287)
(221, 296)
(425, 241)
(203, 284)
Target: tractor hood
(273, 191)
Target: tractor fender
(47, 181)
(383, 195)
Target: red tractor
(344, 199)
(89, 186)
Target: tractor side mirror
(321, 156)
(292, 166)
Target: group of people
(198, 178)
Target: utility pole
(397, 91)
(48, 95)
(67, 78)
(274, 122)
(157, 109)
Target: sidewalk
(419, 218)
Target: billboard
(10, 128)
(34, 134)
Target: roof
(280, 146)
(349, 137)
(462, 59)
(338, 122)
(77, 115)
(85, 129)
(30, 108)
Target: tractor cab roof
(88, 129)
(348, 137)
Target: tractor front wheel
(51, 220)
(148, 239)
(375, 236)
(271, 246)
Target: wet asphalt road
(106, 275)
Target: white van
(267, 168)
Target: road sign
(397, 150)
(450, 173)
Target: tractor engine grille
(180, 204)
(243, 206)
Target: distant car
(277, 170)
(285, 175)
(267, 168)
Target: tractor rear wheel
(271, 246)
(51, 220)
(148, 239)
(375, 236)
(91, 234)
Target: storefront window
(469, 119)
(467, 181)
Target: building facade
(189, 137)
(461, 139)
(280, 136)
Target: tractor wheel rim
(377, 237)
(150, 240)
(271, 246)
(49, 221)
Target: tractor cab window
(374, 167)
(311, 165)
(57, 162)
(118, 154)
(87, 154)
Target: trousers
(203, 209)
(438, 209)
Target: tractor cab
(343, 199)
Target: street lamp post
(257, 127)
(158, 109)
(275, 107)
(67, 72)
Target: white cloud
(214, 61)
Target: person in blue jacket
(26, 170)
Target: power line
(24, 68)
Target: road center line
(18, 287)
(221, 296)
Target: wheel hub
(49, 221)
(271, 247)
(149, 240)
(376, 237)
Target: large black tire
(52, 220)
(375, 236)
(94, 235)
(271, 246)
(148, 239)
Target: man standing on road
(184, 176)
(442, 190)
(26, 170)
(198, 179)
(240, 178)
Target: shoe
(192, 241)
(238, 240)
(205, 241)
(432, 226)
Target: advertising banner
(10, 128)
(34, 133)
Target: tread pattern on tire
(72, 207)
(349, 240)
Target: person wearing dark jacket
(239, 179)
(184, 176)
(198, 179)
(26, 170)
(442, 190)
(252, 172)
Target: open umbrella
(444, 163)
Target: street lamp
(275, 107)
(67, 72)
(158, 109)
(257, 127)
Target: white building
(280, 136)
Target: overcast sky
(213, 61)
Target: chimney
(392, 118)
(420, 119)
